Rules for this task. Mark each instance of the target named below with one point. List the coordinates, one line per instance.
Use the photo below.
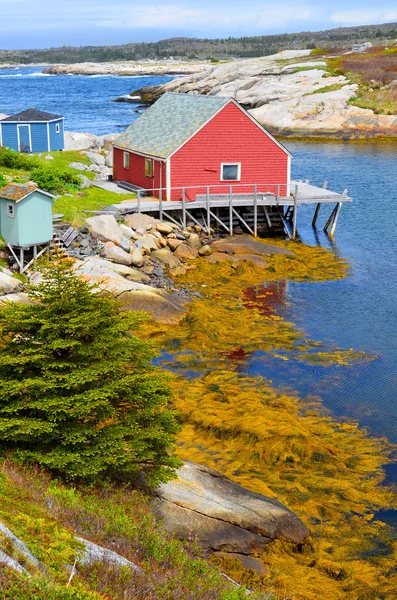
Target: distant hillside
(194, 48)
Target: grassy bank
(73, 203)
(46, 515)
(373, 71)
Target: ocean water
(85, 102)
(358, 312)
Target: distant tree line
(204, 49)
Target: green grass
(46, 515)
(327, 88)
(76, 209)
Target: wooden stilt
(219, 221)
(242, 220)
(294, 219)
(255, 211)
(21, 259)
(335, 220)
(331, 218)
(316, 214)
(269, 223)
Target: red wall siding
(230, 136)
(136, 172)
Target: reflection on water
(358, 312)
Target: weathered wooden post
(318, 206)
(255, 210)
(294, 219)
(139, 200)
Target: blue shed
(25, 215)
(32, 131)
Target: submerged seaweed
(329, 472)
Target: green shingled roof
(169, 122)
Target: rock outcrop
(97, 554)
(8, 283)
(126, 68)
(287, 99)
(222, 515)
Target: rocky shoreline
(127, 68)
(299, 99)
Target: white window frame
(233, 164)
(11, 213)
(126, 160)
(149, 161)
(57, 128)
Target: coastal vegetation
(93, 404)
(56, 177)
(375, 72)
(330, 472)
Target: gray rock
(8, 284)
(85, 182)
(95, 158)
(94, 554)
(49, 157)
(205, 250)
(223, 515)
(146, 242)
(139, 221)
(21, 547)
(109, 159)
(76, 140)
(116, 254)
(186, 252)
(164, 228)
(12, 564)
(78, 166)
(166, 257)
(21, 298)
(137, 257)
(105, 227)
(194, 241)
(126, 231)
(94, 169)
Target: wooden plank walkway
(209, 206)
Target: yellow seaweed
(329, 472)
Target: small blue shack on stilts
(32, 131)
(25, 221)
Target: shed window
(11, 209)
(57, 128)
(148, 167)
(230, 171)
(126, 160)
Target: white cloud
(176, 16)
(364, 17)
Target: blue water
(358, 312)
(85, 102)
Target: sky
(49, 23)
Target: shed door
(24, 138)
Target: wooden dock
(250, 207)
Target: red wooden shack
(199, 143)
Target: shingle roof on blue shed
(168, 123)
(33, 115)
